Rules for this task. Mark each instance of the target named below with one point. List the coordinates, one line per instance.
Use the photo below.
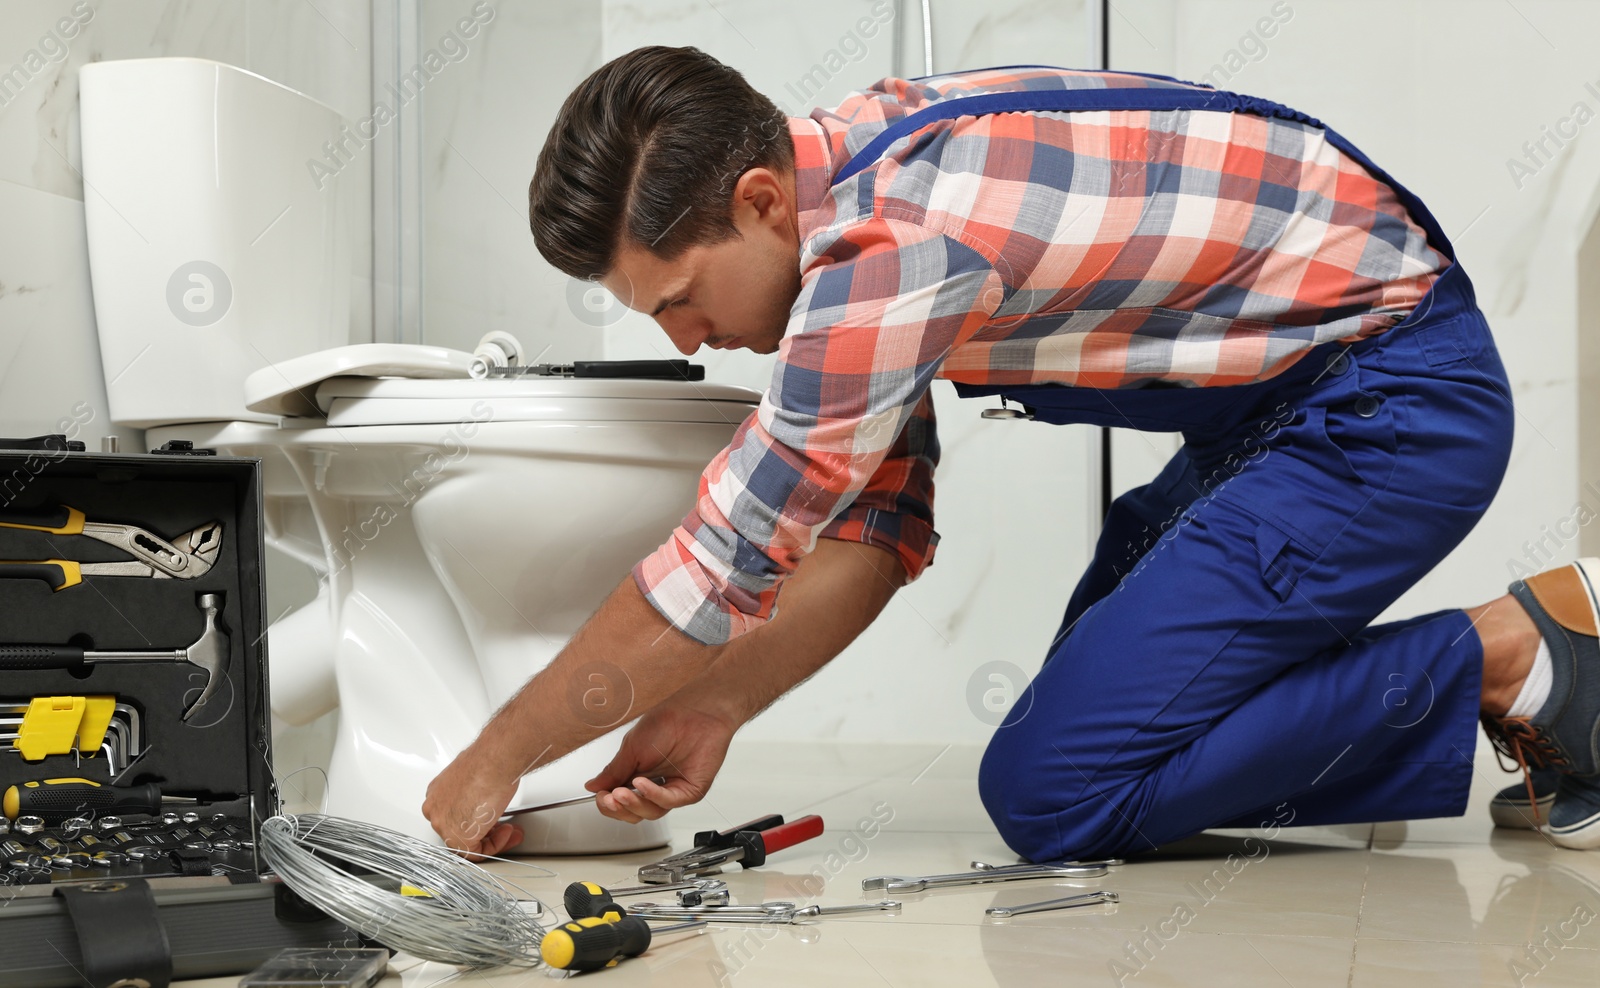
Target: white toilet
(465, 528)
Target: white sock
(1536, 688)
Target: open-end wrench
(984, 866)
(1016, 873)
(1087, 899)
(766, 912)
(886, 906)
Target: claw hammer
(209, 652)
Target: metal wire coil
(458, 913)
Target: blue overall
(1216, 665)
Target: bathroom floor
(1434, 902)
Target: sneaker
(1513, 808)
(1565, 733)
(1575, 818)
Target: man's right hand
(680, 742)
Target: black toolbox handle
(14, 658)
(120, 937)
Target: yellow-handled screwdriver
(59, 799)
(593, 942)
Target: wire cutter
(749, 844)
(188, 556)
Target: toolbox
(135, 727)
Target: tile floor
(1432, 902)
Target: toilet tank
(219, 232)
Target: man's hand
(464, 804)
(680, 742)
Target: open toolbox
(133, 661)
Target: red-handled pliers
(749, 844)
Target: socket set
(85, 849)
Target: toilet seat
(393, 401)
(375, 384)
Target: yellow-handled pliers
(193, 554)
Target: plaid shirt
(1097, 248)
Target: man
(1100, 247)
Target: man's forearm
(835, 593)
(624, 660)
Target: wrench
(886, 906)
(1088, 898)
(984, 876)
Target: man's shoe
(1565, 732)
(1575, 818)
(1512, 809)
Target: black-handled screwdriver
(587, 900)
(60, 799)
(592, 943)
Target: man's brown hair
(649, 148)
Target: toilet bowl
(462, 529)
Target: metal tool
(659, 780)
(766, 912)
(123, 740)
(193, 554)
(699, 897)
(590, 899)
(1087, 899)
(699, 884)
(60, 799)
(209, 652)
(1108, 862)
(748, 844)
(665, 370)
(984, 876)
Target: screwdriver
(592, 943)
(587, 900)
(59, 799)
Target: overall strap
(1129, 98)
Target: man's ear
(760, 191)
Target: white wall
(1443, 95)
(49, 356)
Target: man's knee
(1038, 821)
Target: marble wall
(1452, 106)
(49, 357)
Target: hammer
(209, 652)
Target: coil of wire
(402, 892)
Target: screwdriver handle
(586, 900)
(19, 657)
(60, 799)
(592, 943)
